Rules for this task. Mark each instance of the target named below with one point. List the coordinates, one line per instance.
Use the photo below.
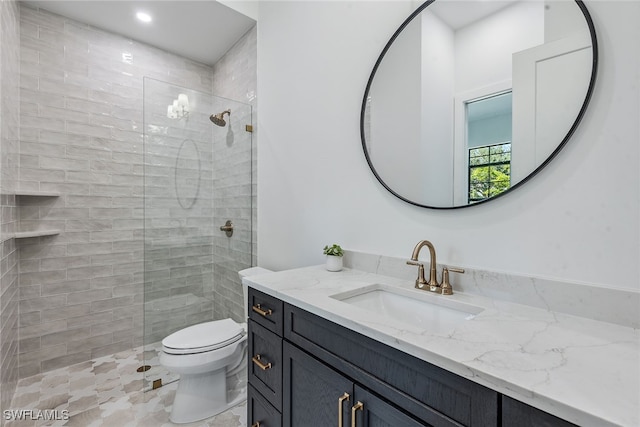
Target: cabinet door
(370, 411)
(312, 391)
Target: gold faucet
(432, 284)
(421, 283)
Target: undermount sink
(412, 306)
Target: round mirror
(469, 98)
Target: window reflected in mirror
(489, 129)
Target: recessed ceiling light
(144, 17)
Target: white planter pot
(334, 263)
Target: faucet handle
(446, 286)
(420, 281)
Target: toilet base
(201, 396)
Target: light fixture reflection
(144, 17)
(179, 108)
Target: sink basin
(412, 306)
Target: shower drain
(143, 368)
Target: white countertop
(581, 370)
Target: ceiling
(199, 30)
(458, 14)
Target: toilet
(205, 356)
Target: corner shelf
(38, 233)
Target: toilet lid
(203, 337)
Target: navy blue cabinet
(306, 371)
(430, 394)
(316, 395)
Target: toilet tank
(253, 271)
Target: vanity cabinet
(316, 395)
(307, 371)
(426, 392)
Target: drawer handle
(358, 406)
(261, 311)
(256, 424)
(256, 359)
(340, 404)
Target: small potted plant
(334, 255)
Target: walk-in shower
(196, 178)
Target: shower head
(218, 119)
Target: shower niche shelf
(34, 233)
(36, 194)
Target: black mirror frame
(571, 131)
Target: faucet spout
(432, 283)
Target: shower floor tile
(103, 392)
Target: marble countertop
(581, 370)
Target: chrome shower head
(218, 119)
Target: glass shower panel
(197, 176)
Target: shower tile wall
(234, 77)
(9, 151)
(81, 292)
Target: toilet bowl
(205, 356)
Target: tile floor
(104, 392)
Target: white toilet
(205, 355)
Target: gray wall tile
(81, 129)
(234, 77)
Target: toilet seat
(203, 337)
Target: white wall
(395, 112)
(512, 29)
(578, 220)
(561, 20)
(438, 71)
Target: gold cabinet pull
(256, 424)
(354, 410)
(261, 311)
(340, 404)
(257, 360)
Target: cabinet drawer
(260, 412)
(432, 394)
(265, 364)
(518, 414)
(265, 310)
